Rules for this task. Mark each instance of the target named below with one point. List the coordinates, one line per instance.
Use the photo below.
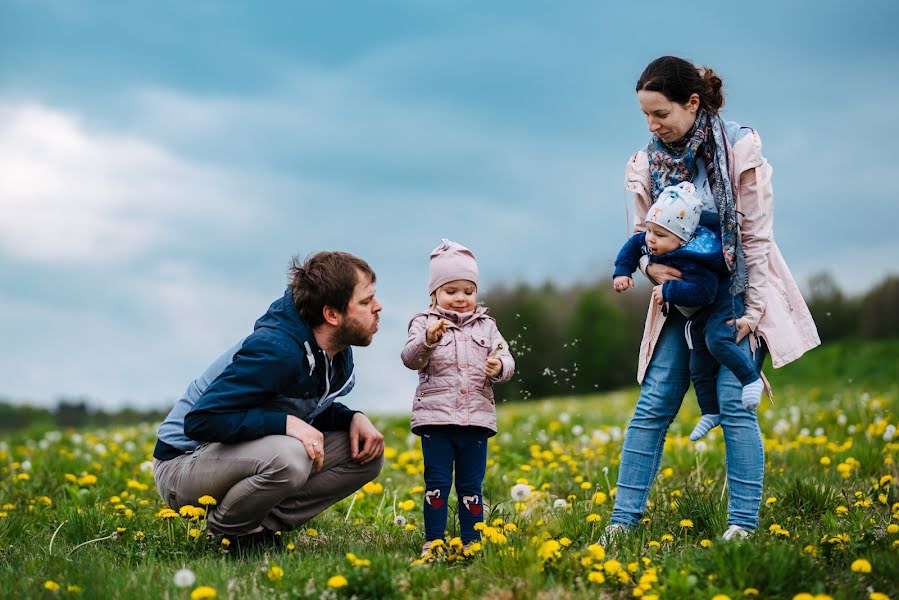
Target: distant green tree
(878, 313)
(836, 316)
(599, 332)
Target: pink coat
(774, 305)
(452, 386)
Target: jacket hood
(704, 247)
(282, 316)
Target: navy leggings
(442, 447)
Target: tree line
(585, 338)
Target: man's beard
(352, 333)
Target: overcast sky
(160, 162)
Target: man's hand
(622, 282)
(310, 437)
(657, 295)
(435, 331)
(494, 368)
(743, 328)
(366, 442)
(662, 273)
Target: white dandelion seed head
(841, 419)
(399, 521)
(601, 436)
(819, 431)
(700, 446)
(889, 433)
(26, 465)
(100, 449)
(146, 466)
(520, 491)
(851, 429)
(184, 578)
(804, 431)
(615, 432)
(76, 438)
(577, 430)
(564, 417)
(560, 504)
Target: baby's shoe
(706, 424)
(752, 394)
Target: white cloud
(74, 195)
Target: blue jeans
(441, 447)
(664, 385)
(713, 345)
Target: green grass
(563, 448)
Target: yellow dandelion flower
(275, 573)
(599, 498)
(311, 532)
(825, 460)
(720, 597)
(22, 477)
(51, 585)
(803, 596)
(337, 582)
(653, 545)
(750, 592)
(878, 596)
(706, 543)
(410, 527)
(204, 592)
(597, 551)
(226, 542)
(407, 504)
(611, 567)
(686, 524)
(893, 528)
(206, 500)
(593, 518)
(861, 566)
(586, 485)
(771, 500)
(596, 577)
(667, 537)
(73, 589)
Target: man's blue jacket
(247, 393)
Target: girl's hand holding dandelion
(435, 331)
(494, 367)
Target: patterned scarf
(675, 162)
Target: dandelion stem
(723, 489)
(350, 509)
(381, 505)
(108, 537)
(53, 537)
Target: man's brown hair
(325, 279)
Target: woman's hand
(662, 273)
(743, 328)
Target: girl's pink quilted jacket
(452, 386)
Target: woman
(724, 161)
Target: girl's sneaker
(426, 549)
(735, 533)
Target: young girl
(459, 354)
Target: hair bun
(712, 84)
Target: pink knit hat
(451, 261)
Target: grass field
(79, 515)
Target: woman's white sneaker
(735, 532)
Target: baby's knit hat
(451, 261)
(677, 210)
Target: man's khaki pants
(266, 482)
